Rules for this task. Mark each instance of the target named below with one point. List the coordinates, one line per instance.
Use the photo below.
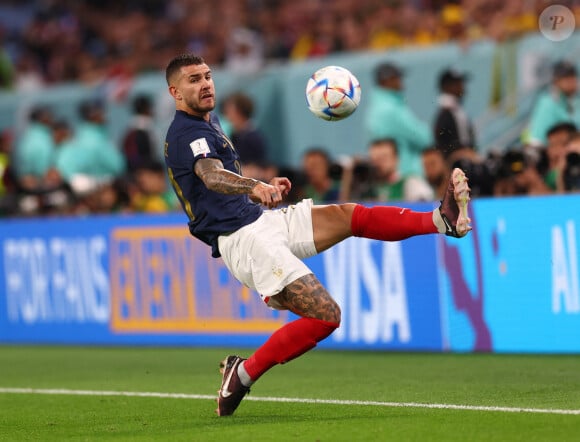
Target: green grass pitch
(520, 381)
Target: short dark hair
(431, 149)
(243, 103)
(561, 127)
(39, 113)
(180, 61)
(320, 151)
(386, 71)
(563, 69)
(151, 165)
(89, 107)
(451, 76)
(390, 141)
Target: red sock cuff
(359, 217)
(320, 328)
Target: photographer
(519, 176)
(571, 172)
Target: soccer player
(263, 249)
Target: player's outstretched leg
(389, 223)
(232, 390)
(454, 219)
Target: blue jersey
(210, 213)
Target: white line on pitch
(61, 391)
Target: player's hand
(266, 194)
(283, 184)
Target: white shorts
(267, 255)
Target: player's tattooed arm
(211, 171)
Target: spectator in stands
(84, 40)
(106, 196)
(151, 193)
(453, 23)
(320, 185)
(517, 176)
(350, 33)
(34, 155)
(387, 182)
(558, 137)
(319, 38)
(6, 66)
(388, 116)
(8, 197)
(417, 26)
(244, 51)
(91, 157)
(555, 105)
(382, 24)
(573, 144)
(436, 171)
(62, 134)
(571, 173)
(238, 109)
(28, 77)
(140, 142)
(39, 188)
(481, 171)
(452, 128)
(57, 196)
(5, 163)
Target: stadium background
(512, 286)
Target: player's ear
(174, 92)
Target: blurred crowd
(54, 166)
(410, 160)
(49, 41)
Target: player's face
(194, 90)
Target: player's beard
(198, 108)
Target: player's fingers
(276, 198)
(266, 198)
(283, 188)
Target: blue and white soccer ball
(333, 93)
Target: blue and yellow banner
(512, 285)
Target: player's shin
(287, 343)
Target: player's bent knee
(308, 298)
(334, 314)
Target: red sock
(287, 343)
(390, 223)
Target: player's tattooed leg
(308, 298)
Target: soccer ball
(332, 93)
